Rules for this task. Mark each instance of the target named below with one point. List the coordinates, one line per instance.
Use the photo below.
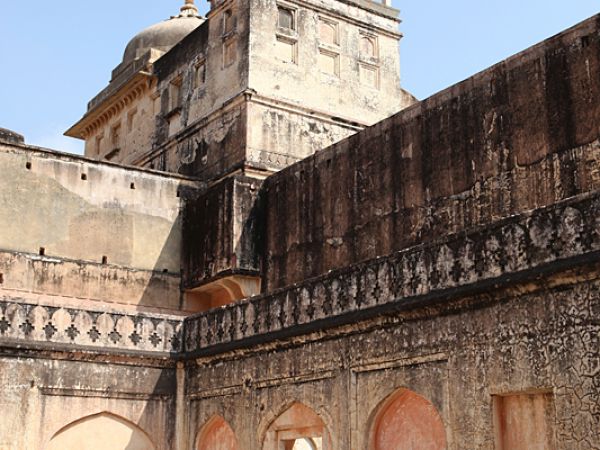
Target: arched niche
(216, 435)
(407, 421)
(297, 428)
(102, 431)
(368, 47)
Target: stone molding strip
(512, 250)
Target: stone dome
(164, 35)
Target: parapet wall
(72, 227)
(518, 136)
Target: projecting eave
(112, 105)
(128, 82)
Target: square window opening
(286, 18)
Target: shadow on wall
(163, 288)
(143, 423)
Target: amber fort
(269, 244)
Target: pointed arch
(216, 434)
(297, 428)
(407, 420)
(103, 431)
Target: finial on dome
(189, 9)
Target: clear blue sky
(56, 55)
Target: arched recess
(102, 431)
(216, 435)
(297, 428)
(407, 421)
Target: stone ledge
(513, 250)
(27, 325)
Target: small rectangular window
(369, 75)
(229, 52)
(329, 62)
(200, 74)
(99, 139)
(131, 119)
(285, 18)
(285, 49)
(115, 135)
(228, 22)
(175, 94)
(368, 47)
(328, 32)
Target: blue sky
(57, 55)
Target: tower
(253, 88)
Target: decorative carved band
(77, 328)
(512, 250)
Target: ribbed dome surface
(161, 36)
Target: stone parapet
(517, 249)
(28, 326)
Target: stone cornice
(371, 6)
(112, 105)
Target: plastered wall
(458, 357)
(74, 228)
(44, 396)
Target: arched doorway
(216, 435)
(407, 421)
(297, 428)
(103, 431)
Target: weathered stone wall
(253, 109)
(520, 135)
(281, 135)
(502, 311)
(523, 247)
(506, 309)
(223, 80)
(71, 227)
(82, 210)
(205, 134)
(210, 149)
(458, 356)
(128, 133)
(222, 230)
(40, 396)
(53, 280)
(341, 89)
(63, 365)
